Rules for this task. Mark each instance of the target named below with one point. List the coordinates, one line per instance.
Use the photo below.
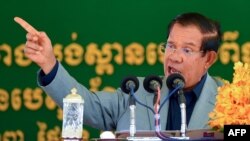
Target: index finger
(26, 26)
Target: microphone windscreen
(148, 81)
(126, 82)
(171, 80)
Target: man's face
(190, 65)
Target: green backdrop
(99, 42)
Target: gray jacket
(110, 111)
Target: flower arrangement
(232, 105)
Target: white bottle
(73, 108)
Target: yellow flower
(233, 100)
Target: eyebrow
(186, 43)
(190, 44)
(170, 42)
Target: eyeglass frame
(164, 47)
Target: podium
(201, 134)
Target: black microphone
(151, 83)
(128, 83)
(174, 80)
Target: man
(191, 49)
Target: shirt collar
(197, 89)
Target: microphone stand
(132, 106)
(182, 101)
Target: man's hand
(38, 47)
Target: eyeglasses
(168, 48)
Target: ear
(211, 58)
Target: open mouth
(172, 70)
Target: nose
(176, 56)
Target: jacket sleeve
(102, 110)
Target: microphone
(174, 81)
(151, 83)
(130, 85)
